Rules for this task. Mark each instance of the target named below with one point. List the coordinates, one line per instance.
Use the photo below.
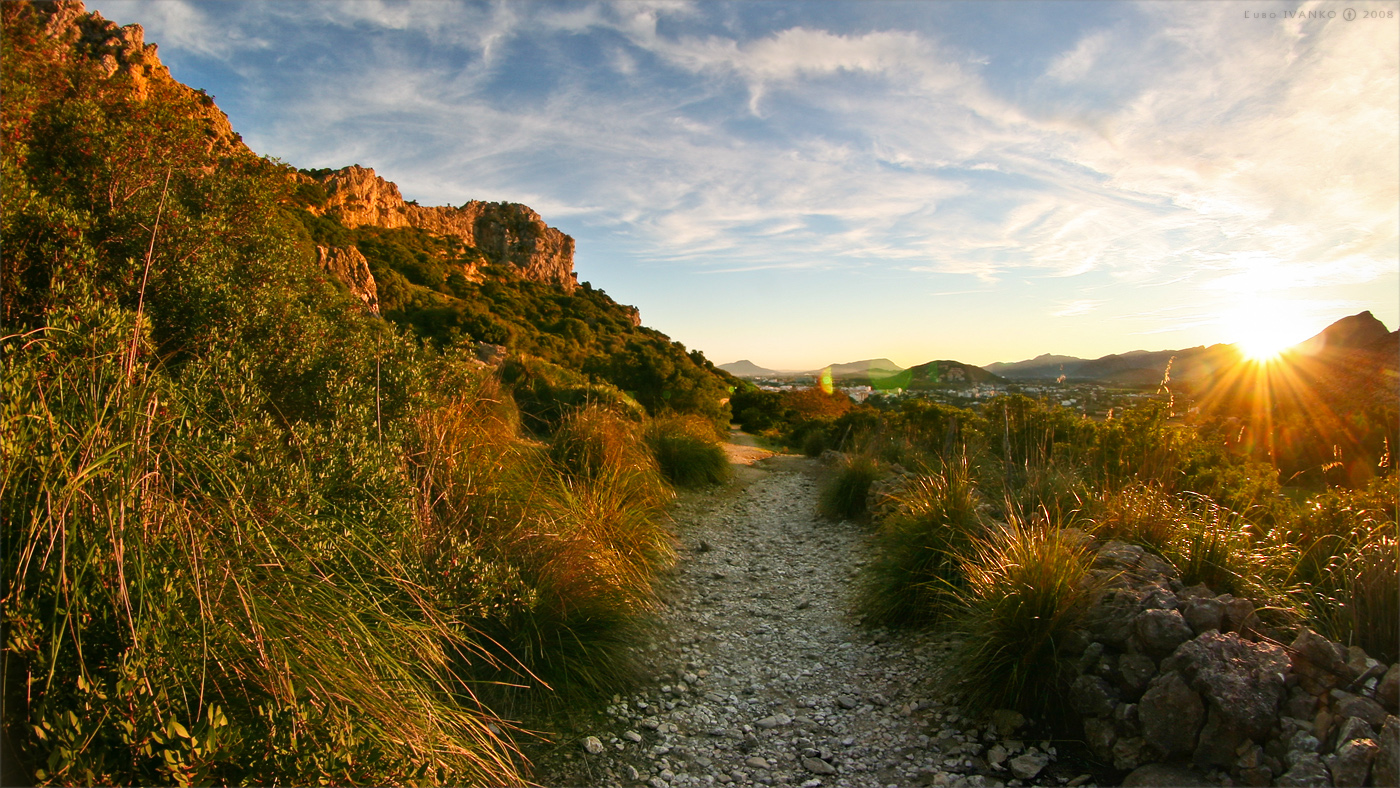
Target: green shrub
(234, 600)
(920, 548)
(1025, 590)
(688, 451)
(843, 496)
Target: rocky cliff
(350, 266)
(504, 232)
(121, 52)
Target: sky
(805, 183)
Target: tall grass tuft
(1140, 513)
(552, 550)
(921, 548)
(1337, 564)
(843, 497)
(688, 451)
(191, 601)
(1025, 590)
(1052, 493)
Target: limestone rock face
(507, 232)
(358, 197)
(351, 268)
(122, 52)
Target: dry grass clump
(1024, 590)
(921, 548)
(843, 497)
(1337, 565)
(552, 550)
(688, 450)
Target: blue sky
(815, 182)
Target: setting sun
(1262, 330)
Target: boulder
(1026, 767)
(1360, 667)
(1100, 734)
(1388, 691)
(1164, 775)
(1308, 771)
(1244, 680)
(1204, 613)
(1126, 721)
(1301, 704)
(1351, 763)
(348, 265)
(1171, 714)
(1091, 696)
(1354, 728)
(1161, 631)
(1131, 753)
(1313, 654)
(1135, 670)
(1345, 704)
(1112, 616)
(1385, 770)
(1007, 722)
(489, 354)
(1131, 561)
(818, 766)
(1220, 741)
(1240, 617)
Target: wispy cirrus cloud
(1165, 151)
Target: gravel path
(761, 675)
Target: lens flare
(1263, 329)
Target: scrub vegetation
(980, 519)
(256, 535)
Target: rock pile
(1187, 678)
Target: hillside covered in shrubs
(255, 533)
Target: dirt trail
(761, 675)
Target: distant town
(1094, 400)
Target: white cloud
(1077, 63)
(1225, 140)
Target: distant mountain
(1196, 365)
(947, 374)
(1134, 368)
(1358, 332)
(747, 369)
(1040, 366)
(868, 368)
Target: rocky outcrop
(503, 232)
(352, 269)
(1183, 681)
(121, 52)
